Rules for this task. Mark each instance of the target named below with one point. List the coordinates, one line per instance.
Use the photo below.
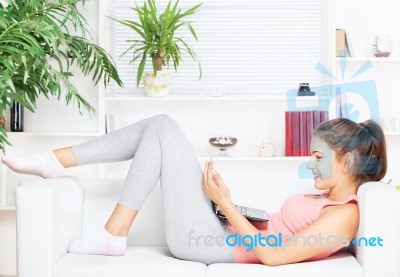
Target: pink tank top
(297, 212)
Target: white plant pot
(157, 86)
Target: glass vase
(382, 46)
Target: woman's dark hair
(365, 141)
(222, 221)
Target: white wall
(362, 18)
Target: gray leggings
(160, 150)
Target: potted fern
(158, 43)
(38, 49)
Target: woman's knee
(165, 122)
(164, 119)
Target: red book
(310, 129)
(288, 134)
(323, 116)
(316, 119)
(295, 116)
(303, 133)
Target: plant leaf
(141, 68)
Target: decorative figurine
(267, 148)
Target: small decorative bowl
(222, 143)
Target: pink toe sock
(45, 164)
(100, 243)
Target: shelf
(8, 207)
(229, 158)
(372, 59)
(50, 134)
(191, 97)
(392, 134)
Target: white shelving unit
(189, 105)
(8, 207)
(50, 134)
(375, 61)
(188, 108)
(392, 134)
(260, 159)
(372, 59)
(192, 97)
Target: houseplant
(38, 49)
(158, 42)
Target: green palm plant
(35, 35)
(157, 36)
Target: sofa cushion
(158, 261)
(341, 264)
(137, 261)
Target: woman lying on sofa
(344, 156)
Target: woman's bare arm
(339, 221)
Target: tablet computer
(249, 213)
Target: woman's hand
(214, 187)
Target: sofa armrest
(379, 205)
(49, 216)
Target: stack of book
(299, 127)
(344, 47)
(109, 123)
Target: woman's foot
(45, 164)
(101, 243)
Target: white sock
(45, 164)
(101, 243)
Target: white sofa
(52, 212)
